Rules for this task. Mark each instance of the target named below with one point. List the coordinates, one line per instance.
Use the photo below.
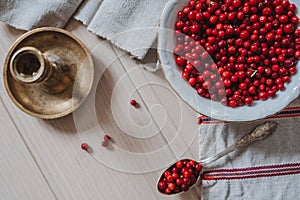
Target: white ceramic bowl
(259, 109)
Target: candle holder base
(48, 73)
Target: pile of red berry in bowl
(232, 60)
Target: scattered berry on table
(106, 137)
(84, 146)
(133, 102)
(104, 143)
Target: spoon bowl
(179, 177)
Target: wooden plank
(176, 120)
(180, 124)
(20, 176)
(105, 173)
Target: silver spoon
(259, 133)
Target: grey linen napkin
(267, 169)
(29, 14)
(129, 24)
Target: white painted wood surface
(42, 159)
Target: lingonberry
(232, 103)
(84, 146)
(192, 81)
(262, 95)
(104, 143)
(185, 187)
(133, 102)
(288, 28)
(249, 100)
(180, 61)
(106, 137)
(162, 185)
(171, 186)
(198, 167)
(252, 89)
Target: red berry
(267, 11)
(288, 29)
(271, 93)
(179, 181)
(106, 137)
(283, 19)
(195, 28)
(248, 100)
(179, 24)
(253, 2)
(171, 186)
(170, 179)
(232, 103)
(186, 174)
(231, 16)
(185, 75)
(185, 187)
(292, 70)
(297, 54)
(186, 181)
(167, 173)
(192, 15)
(262, 95)
(254, 18)
(162, 185)
(168, 191)
(236, 3)
(213, 19)
(180, 61)
(270, 37)
(84, 146)
(244, 35)
(174, 170)
(286, 79)
(133, 102)
(192, 81)
(104, 143)
(295, 20)
(179, 164)
(198, 167)
(279, 9)
(227, 83)
(174, 176)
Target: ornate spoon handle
(259, 133)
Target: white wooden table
(42, 159)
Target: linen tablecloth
(267, 169)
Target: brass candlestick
(28, 65)
(48, 73)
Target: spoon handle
(259, 133)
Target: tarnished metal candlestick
(48, 73)
(30, 66)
